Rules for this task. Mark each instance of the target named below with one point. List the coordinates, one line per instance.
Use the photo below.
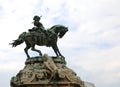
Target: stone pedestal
(51, 85)
(46, 71)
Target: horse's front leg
(56, 50)
(26, 51)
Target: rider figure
(40, 27)
(38, 24)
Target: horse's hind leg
(26, 51)
(33, 49)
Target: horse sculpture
(42, 39)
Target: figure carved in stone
(67, 74)
(50, 65)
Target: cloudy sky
(91, 46)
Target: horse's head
(62, 31)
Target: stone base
(52, 85)
(46, 71)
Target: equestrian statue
(38, 35)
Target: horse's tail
(18, 41)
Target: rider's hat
(36, 17)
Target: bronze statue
(47, 38)
(39, 26)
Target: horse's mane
(57, 26)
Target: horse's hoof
(40, 55)
(28, 58)
(62, 57)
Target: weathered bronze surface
(39, 36)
